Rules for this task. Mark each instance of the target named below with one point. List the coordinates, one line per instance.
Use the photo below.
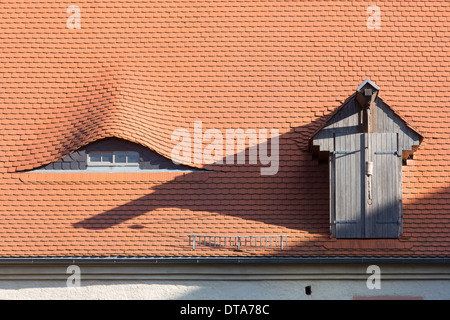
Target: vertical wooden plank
(367, 185)
(384, 212)
(359, 173)
(346, 208)
(392, 228)
(354, 117)
(332, 188)
(374, 192)
(383, 200)
(363, 183)
(393, 183)
(390, 118)
(382, 209)
(376, 178)
(355, 182)
(399, 180)
(380, 117)
(351, 186)
(373, 186)
(340, 190)
(339, 186)
(389, 176)
(385, 208)
(347, 166)
(337, 205)
(359, 178)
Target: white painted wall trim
(170, 281)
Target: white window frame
(113, 164)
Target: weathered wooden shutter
(347, 185)
(363, 206)
(383, 215)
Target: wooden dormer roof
(349, 118)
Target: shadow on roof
(288, 198)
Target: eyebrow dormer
(365, 141)
(114, 155)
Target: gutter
(218, 260)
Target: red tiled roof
(138, 70)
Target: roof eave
(216, 260)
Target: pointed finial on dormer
(367, 93)
(368, 88)
(366, 96)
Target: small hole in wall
(308, 290)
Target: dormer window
(113, 158)
(114, 155)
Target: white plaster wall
(221, 281)
(200, 290)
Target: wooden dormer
(365, 142)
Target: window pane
(95, 157)
(121, 157)
(107, 157)
(133, 157)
